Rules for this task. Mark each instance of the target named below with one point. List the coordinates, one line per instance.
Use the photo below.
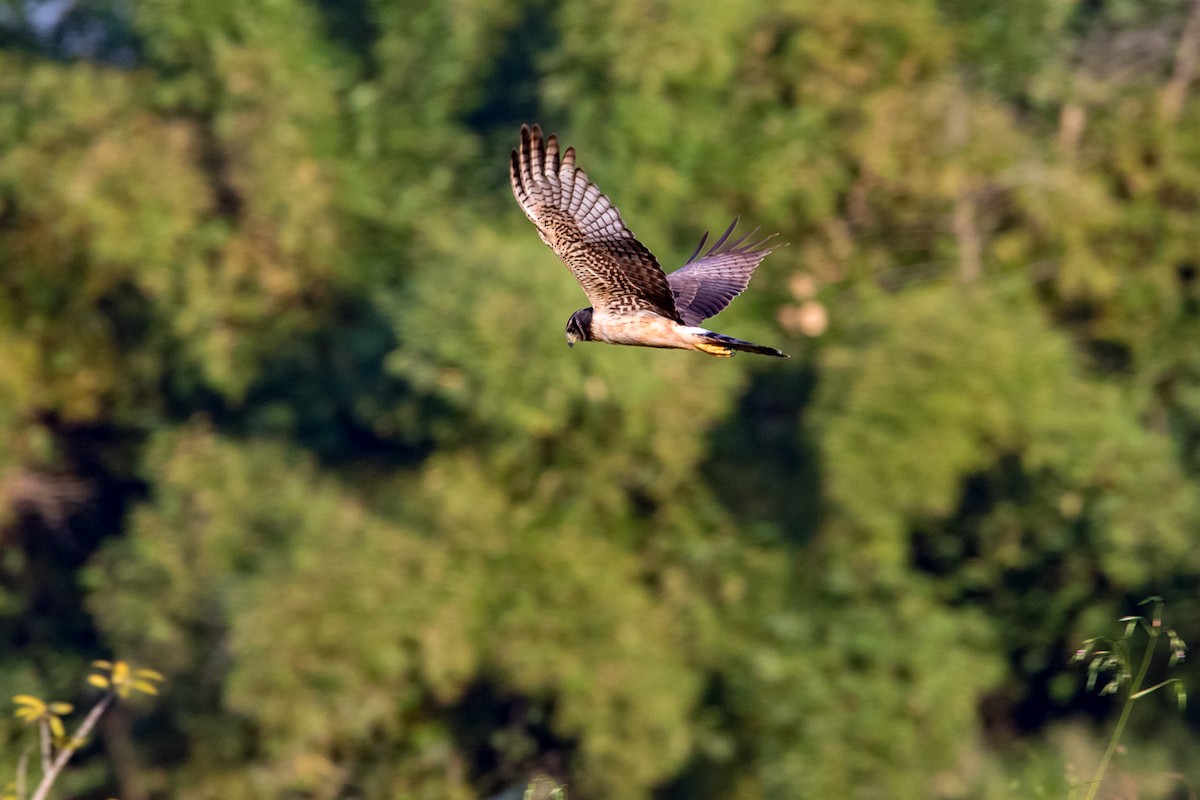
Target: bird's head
(579, 327)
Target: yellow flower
(123, 679)
(33, 710)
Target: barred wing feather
(618, 274)
(705, 285)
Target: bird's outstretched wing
(618, 274)
(705, 285)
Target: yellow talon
(715, 350)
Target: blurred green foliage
(286, 412)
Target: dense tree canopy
(286, 411)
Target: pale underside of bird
(633, 301)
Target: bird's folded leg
(714, 350)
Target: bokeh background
(287, 414)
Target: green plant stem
(1154, 688)
(64, 755)
(44, 738)
(1125, 711)
(23, 772)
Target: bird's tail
(718, 344)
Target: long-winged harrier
(633, 301)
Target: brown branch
(51, 498)
(44, 739)
(962, 220)
(70, 746)
(1071, 122)
(1187, 59)
(970, 244)
(23, 772)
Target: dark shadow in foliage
(509, 95)
(329, 391)
(764, 465)
(1109, 356)
(1033, 602)
(128, 316)
(229, 205)
(60, 521)
(703, 776)
(349, 24)
(1174, 386)
(506, 738)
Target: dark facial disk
(579, 327)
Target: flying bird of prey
(633, 301)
